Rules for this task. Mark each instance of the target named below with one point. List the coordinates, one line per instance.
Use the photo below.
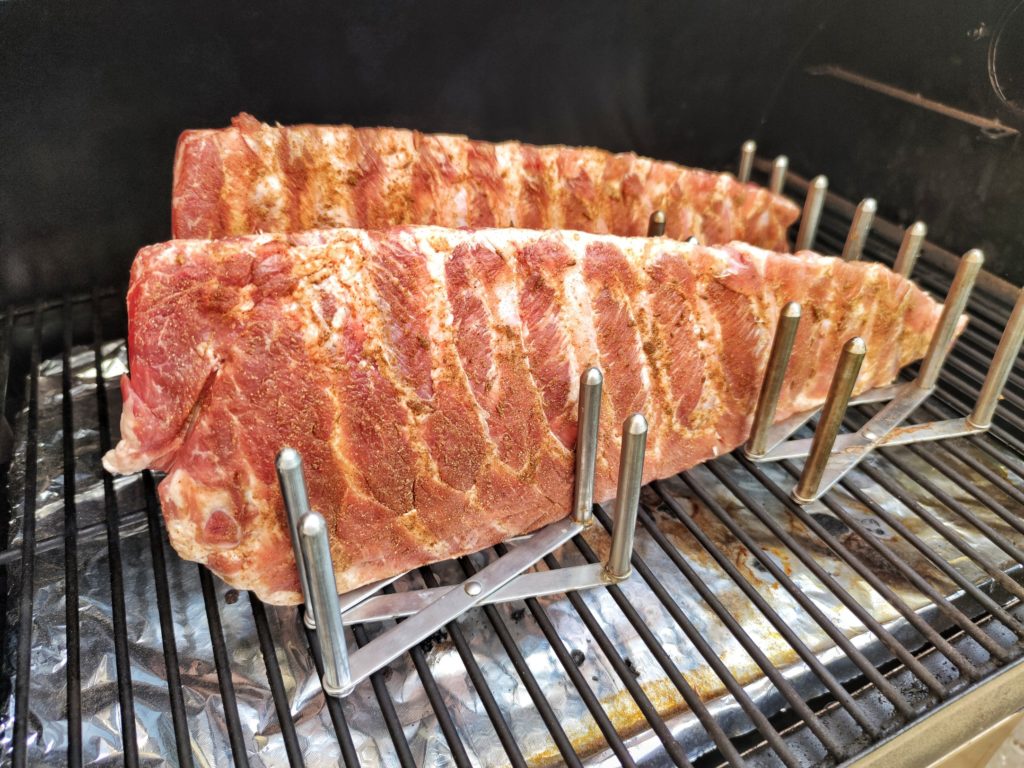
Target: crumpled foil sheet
(262, 734)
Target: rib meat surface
(429, 377)
(254, 177)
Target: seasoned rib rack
(917, 556)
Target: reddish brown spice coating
(429, 377)
(254, 177)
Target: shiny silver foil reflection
(208, 732)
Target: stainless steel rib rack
(754, 630)
(505, 580)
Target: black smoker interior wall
(93, 96)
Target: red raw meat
(254, 177)
(429, 377)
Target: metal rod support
(832, 414)
(775, 373)
(747, 152)
(811, 216)
(777, 182)
(999, 370)
(296, 502)
(316, 550)
(586, 445)
(859, 229)
(522, 587)
(627, 497)
(656, 224)
(910, 248)
(952, 309)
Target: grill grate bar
(1004, 487)
(5, 357)
(954, 614)
(334, 709)
(751, 648)
(77, 299)
(444, 719)
(220, 658)
(277, 689)
(994, 450)
(828, 680)
(179, 720)
(73, 672)
(779, 733)
(952, 473)
(50, 543)
(866, 573)
(672, 748)
(870, 672)
(544, 709)
(125, 696)
(693, 701)
(28, 537)
(890, 642)
(6, 344)
(611, 736)
(501, 727)
(387, 707)
(905, 498)
(957, 383)
(939, 562)
(955, 506)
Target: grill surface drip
(953, 620)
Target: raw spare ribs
(429, 377)
(253, 177)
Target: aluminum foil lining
(262, 733)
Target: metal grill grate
(947, 629)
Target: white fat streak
(506, 243)
(873, 360)
(509, 162)
(592, 163)
(578, 317)
(441, 317)
(245, 300)
(442, 326)
(508, 304)
(708, 333)
(311, 332)
(507, 293)
(209, 351)
(456, 149)
(398, 155)
(655, 189)
(185, 532)
(331, 185)
(345, 280)
(345, 283)
(551, 179)
(262, 143)
(767, 305)
(265, 194)
(461, 207)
